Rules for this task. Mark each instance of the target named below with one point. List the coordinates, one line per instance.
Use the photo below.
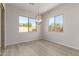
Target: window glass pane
(59, 23)
(23, 24)
(32, 25)
(51, 24)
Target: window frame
(28, 23)
(54, 22)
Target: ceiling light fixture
(38, 17)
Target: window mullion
(54, 23)
(28, 24)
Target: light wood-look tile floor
(39, 48)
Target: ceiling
(33, 7)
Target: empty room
(39, 29)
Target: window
(32, 25)
(51, 24)
(27, 24)
(23, 24)
(56, 24)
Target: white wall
(13, 35)
(70, 36)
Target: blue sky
(58, 19)
(25, 20)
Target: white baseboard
(77, 49)
(21, 42)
